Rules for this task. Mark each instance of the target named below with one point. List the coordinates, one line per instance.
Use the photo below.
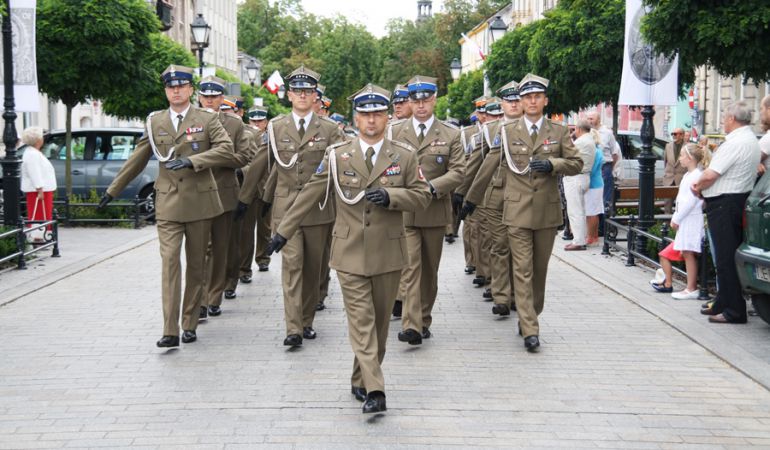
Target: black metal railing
(613, 227)
(27, 245)
(137, 213)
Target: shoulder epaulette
(403, 145)
(450, 125)
(338, 144)
(203, 110)
(278, 117)
(324, 118)
(556, 124)
(396, 122)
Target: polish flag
(274, 82)
(475, 46)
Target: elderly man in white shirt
(725, 185)
(576, 186)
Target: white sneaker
(686, 295)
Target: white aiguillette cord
(333, 175)
(154, 148)
(511, 165)
(271, 137)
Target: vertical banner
(649, 78)
(25, 90)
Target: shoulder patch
(403, 145)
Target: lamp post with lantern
(200, 34)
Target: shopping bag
(38, 234)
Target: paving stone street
(79, 366)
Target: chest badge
(440, 159)
(345, 156)
(383, 180)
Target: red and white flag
(475, 46)
(274, 82)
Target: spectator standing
(594, 205)
(38, 179)
(610, 155)
(576, 186)
(725, 185)
(764, 142)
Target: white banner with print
(25, 90)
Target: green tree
(411, 49)
(462, 93)
(509, 58)
(145, 93)
(730, 35)
(442, 105)
(90, 49)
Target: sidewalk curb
(13, 294)
(693, 327)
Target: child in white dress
(688, 221)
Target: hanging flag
(475, 46)
(25, 92)
(649, 78)
(274, 83)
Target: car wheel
(148, 193)
(761, 304)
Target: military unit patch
(320, 168)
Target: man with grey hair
(764, 143)
(576, 186)
(725, 185)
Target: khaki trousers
(499, 259)
(530, 252)
(483, 243)
(469, 237)
(253, 220)
(325, 269)
(368, 304)
(421, 275)
(301, 270)
(217, 259)
(233, 269)
(196, 238)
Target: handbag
(38, 234)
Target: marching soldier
(211, 96)
(441, 158)
(294, 147)
(253, 217)
(402, 109)
(188, 142)
(535, 151)
(487, 191)
(369, 247)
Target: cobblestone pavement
(79, 368)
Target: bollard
(55, 230)
(21, 246)
(703, 269)
(136, 212)
(631, 242)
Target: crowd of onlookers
(712, 180)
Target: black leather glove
(240, 211)
(266, 209)
(457, 201)
(106, 198)
(541, 165)
(378, 196)
(276, 244)
(467, 210)
(177, 164)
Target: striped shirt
(736, 162)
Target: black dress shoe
(168, 341)
(320, 306)
(519, 327)
(215, 310)
(469, 270)
(532, 343)
(479, 281)
(229, 294)
(426, 334)
(410, 336)
(397, 307)
(204, 313)
(487, 293)
(245, 279)
(189, 336)
(358, 392)
(567, 237)
(375, 402)
(293, 340)
(263, 267)
(308, 333)
(501, 310)
(449, 238)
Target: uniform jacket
(673, 170)
(253, 187)
(532, 200)
(184, 195)
(227, 182)
(367, 239)
(473, 159)
(320, 133)
(441, 158)
(488, 187)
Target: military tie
(301, 130)
(534, 133)
(421, 136)
(179, 119)
(369, 156)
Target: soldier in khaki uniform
(186, 194)
(253, 216)
(441, 158)
(369, 248)
(536, 150)
(211, 97)
(488, 190)
(402, 109)
(294, 148)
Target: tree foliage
(509, 58)
(729, 35)
(462, 93)
(145, 92)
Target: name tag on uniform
(162, 133)
(349, 173)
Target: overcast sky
(374, 14)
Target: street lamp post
(282, 92)
(252, 71)
(497, 29)
(11, 162)
(455, 68)
(200, 31)
(646, 176)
